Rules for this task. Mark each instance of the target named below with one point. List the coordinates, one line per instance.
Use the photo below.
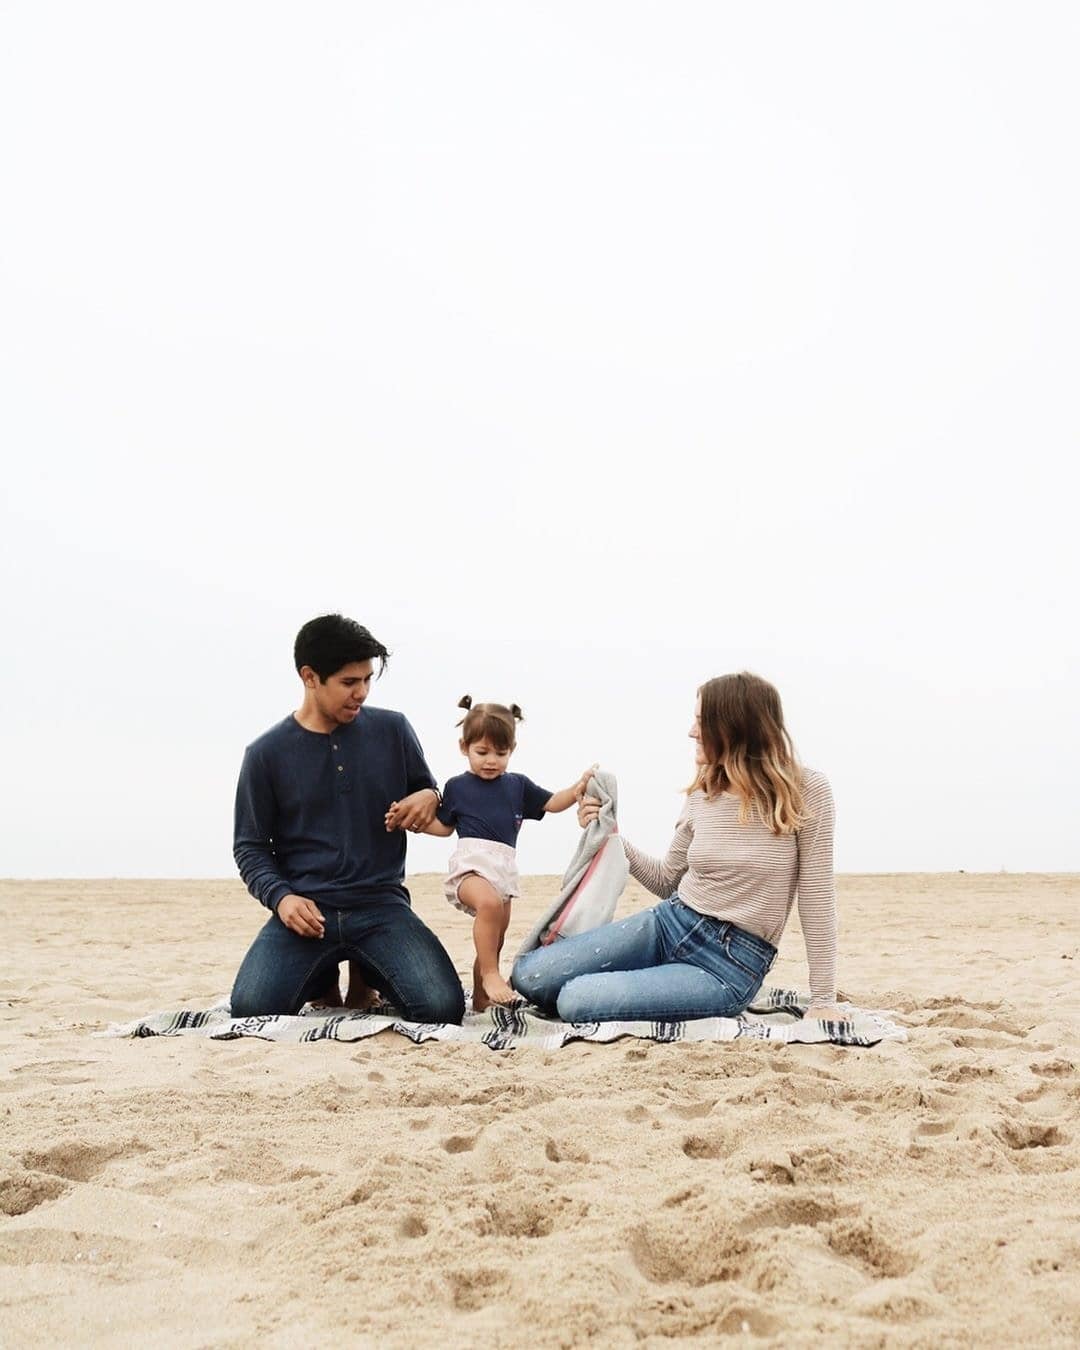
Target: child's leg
(481, 999)
(491, 916)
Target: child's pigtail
(516, 713)
(465, 701)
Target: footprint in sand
(743, 1321)
(790, 1211)
(777, 1171)
(1021, 1134)
(77, 1161)
(858, 1239)
(56, 1072)
(516, 1216)
(1054, 1068)
(935, 1127)
(964, 1020)
(20, 1192)
(472, 1288)
(565, 1153)
(660, 1251)
(964, 1073)
(712, 1145)
(691, 1110)
(681, 1197)
(459, 1143)
(412, 1226)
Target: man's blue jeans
(667, 964)
(400, 956)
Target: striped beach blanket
(776, 1015)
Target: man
(317, 843)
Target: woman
(757, 828)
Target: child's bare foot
(492, 988)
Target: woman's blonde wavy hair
(749, 752)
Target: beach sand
(184, 1192)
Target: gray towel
(599, 862)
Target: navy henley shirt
(310, 809)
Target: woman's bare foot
(492, 988)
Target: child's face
(485, 759)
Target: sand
(183, 1192)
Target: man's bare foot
(330, 997)
(492, 988)
(362, 996)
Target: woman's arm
(817, 897)
(662, 876)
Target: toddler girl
(485, 807)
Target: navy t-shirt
(491, 808)
(310, 808)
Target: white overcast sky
(581, 350)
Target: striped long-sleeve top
(744, 873)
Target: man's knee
(244, 1001)
(443, 1002)
(253, 998)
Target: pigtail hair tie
(465, 701)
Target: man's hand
(414, 812)
(301, 916)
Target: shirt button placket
(341, 775)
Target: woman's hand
(588, 810)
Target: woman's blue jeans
(667, 964)
(400, 956)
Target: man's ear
(309, 676)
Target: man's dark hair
(332, 641)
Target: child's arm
(566, 798)
(437, 827)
